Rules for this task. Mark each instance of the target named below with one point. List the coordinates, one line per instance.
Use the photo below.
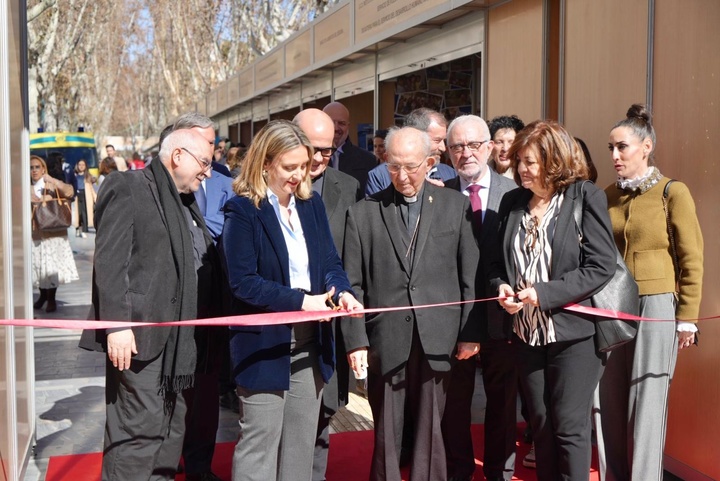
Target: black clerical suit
(410, 352)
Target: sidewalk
(70, 383)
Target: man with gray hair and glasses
(470, 146)
(152, 264)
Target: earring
(264, 173)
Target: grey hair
(176, 140)
(425, 142)
(188, 120)
(468, 119)
(423, 117)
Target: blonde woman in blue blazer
(280, 257)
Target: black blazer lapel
(155, 194)
(388, 211)
(331, 192)
(565, 230)
(511, 228)
(426, 215)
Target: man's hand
(348, 303)
(121, 347)
(437, 182)
(466, 350)
(358, 362)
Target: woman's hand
(510, 306)
(318, 302)
(685, 339)
(347, 302)
(529, 296)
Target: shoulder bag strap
(671, 232)
(577, 209)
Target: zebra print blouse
(532, 252)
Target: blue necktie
(201, 199)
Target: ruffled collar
(641, 184)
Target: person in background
(119, 161)
(503, 130)
(107, 165)
(664, 252)
(85, 195)
(136, 162)
(236, 154)
(348, 158)
(52, 258)
(592, 170)
(280, 257)
(540, 266)
(379, 145)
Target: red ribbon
(275, 318)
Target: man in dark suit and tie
(348, 158)
(338, 192)
(397, 243)
(152, 263)
(470, 146)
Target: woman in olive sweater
(633, 392)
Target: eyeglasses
(326, 152)
(472, 146)
(396, 168)
(204, 163)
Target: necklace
(414, 237)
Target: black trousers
(425, 390)
(203, 406)
(143, 437)
(457, 420)
(500, 380)
(82, 210)
(559, 381)
(335, 395)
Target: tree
(128, 66)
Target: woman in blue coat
(280, 257)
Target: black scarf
(180, 353)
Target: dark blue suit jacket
(218, 190)
(258, 271)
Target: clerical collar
(410, 200)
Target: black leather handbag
(619, 294)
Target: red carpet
(350, 454)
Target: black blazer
(134, 274)
(498, 323)
(443, 270)
(575, 274)
(340, 191)
(356, 162)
